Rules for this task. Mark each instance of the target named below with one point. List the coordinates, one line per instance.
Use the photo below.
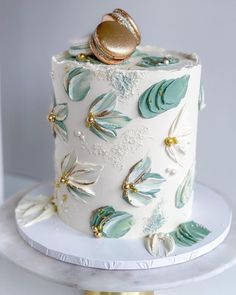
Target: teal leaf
(115, 120)
(106, 222)
(104, 103)
(77, 83)
(140, 186)
(138, 199)
(139, 170)
(189, 233)
(139, 53)
(103, 120)
(185, 190)
(56, 117)
(154, 61)
(61, 111)
(162, 96)
(118, 225)
(60, 129)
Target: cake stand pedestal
(15, 249)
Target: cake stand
(94, 281)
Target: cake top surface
(148, 58)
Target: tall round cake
(125, 141)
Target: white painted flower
(160, 244)
(179, 138)
(33, 209)
(78, 177)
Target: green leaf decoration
(77, 83)
(78, 177)
(154, 61)
(189, 233)
(185, 190)
(103, 120)
(106, 222)
(56, 117)
(141, 186)
(162, 96)
(139, 53)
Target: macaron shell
(129, 19)
(101, 55)
(115, 39)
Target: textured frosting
(167, 139)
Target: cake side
(163, 139)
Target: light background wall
(32, 31)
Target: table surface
(28, 283)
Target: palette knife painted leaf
(185, 189)
(102, 119)
(162, 96)
(34, 209)
(77, 83)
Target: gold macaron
(112, 42)
(123, 18)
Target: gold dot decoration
(169, 141)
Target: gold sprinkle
(63, 180)
(81, 57)
(169, 141)
(51, 117)
(129, 186)
(65, 198)
(90, 120)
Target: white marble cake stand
(16, 250)
(54, 238)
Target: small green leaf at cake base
(189, 233)
(106, 222)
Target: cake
(140, 115)
(125, 132)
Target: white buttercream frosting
(139, 138)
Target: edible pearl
(166, 61)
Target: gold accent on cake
(51, 117)
(169, 141)
(129, 186)
(90, 120)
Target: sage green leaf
(77, 84)
(162, 96)
(189, 233)
(138, 199)
(141, 186)
(100, 214)
(61, 111)
(117, 225)
(156, 61)
(103, 120)
(106, 222)
(104, 103)
(60, 130)
(185, 190)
